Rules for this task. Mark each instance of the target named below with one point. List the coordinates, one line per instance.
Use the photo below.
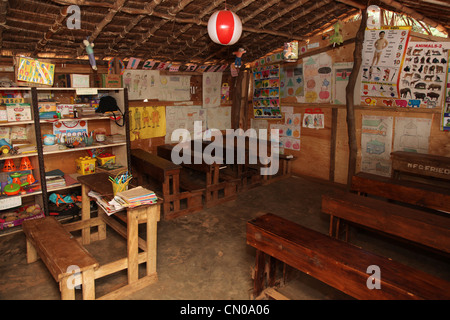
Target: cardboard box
(18, 112)
(47, 106)
(111, 81)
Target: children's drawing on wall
(342, 73)
(376, 145)
(174, 88)
(317, 76)
(141, 84)
(412, 134)
(313, 119)
(184, 118)
(147, 122)
(212, 82)
(422, 80)
(291, 81)
(383, 55)
(219, 118)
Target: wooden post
(351, 125)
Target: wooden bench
(415, 193)
(62, 254)
(424, 228)
(163, 177)
(334, 262)
(420, 164)
(206, 177)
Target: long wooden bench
(205, 176)
(425, 228)
(415, 193)
(336, 263)
(163, 177)
(62, 254)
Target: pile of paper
(136, 197)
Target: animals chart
(376, 145)
(446, 107)
(382, 57)
(317, 73)
(266, 94)
(423, 77)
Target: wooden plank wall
(317, 158)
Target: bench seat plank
(57, 248)
(422, 227)
(340, 264)
(415, 193)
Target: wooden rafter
(150, 6)
(172, 13)
(57, 25)
(118, 5)
(420, 17)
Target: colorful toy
(90, 52)
(224, 27)
(5, 147)
(238, 54)
(9, 166)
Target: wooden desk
(421, 164)
(148, 214)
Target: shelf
(15, 123)
(17, 156)
(94, 146)
(75, 119)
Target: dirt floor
(204, 256)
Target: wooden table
(149, 214)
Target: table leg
(152, 214)
(85, 214)
(132, 244)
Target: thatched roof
(176, 31)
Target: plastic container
(104, 158)
(85, 165)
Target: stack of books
(55, 179)
(136, 197)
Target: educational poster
(147, 122)
(212, 85)
(317, 72)
(446, 107)
(218, 118)
(424, 73)
(184, 118)
(266, 94)
(291, 81)
(382, 58)
(412, 134)
(31, 70)
(142, 84)
(174, 88)
(69, 131)
(341, 76)
(376, 145)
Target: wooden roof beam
(150, 6)
(53, 29)
(418, 16)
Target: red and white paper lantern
(224, 27)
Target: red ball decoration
(224, 27)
